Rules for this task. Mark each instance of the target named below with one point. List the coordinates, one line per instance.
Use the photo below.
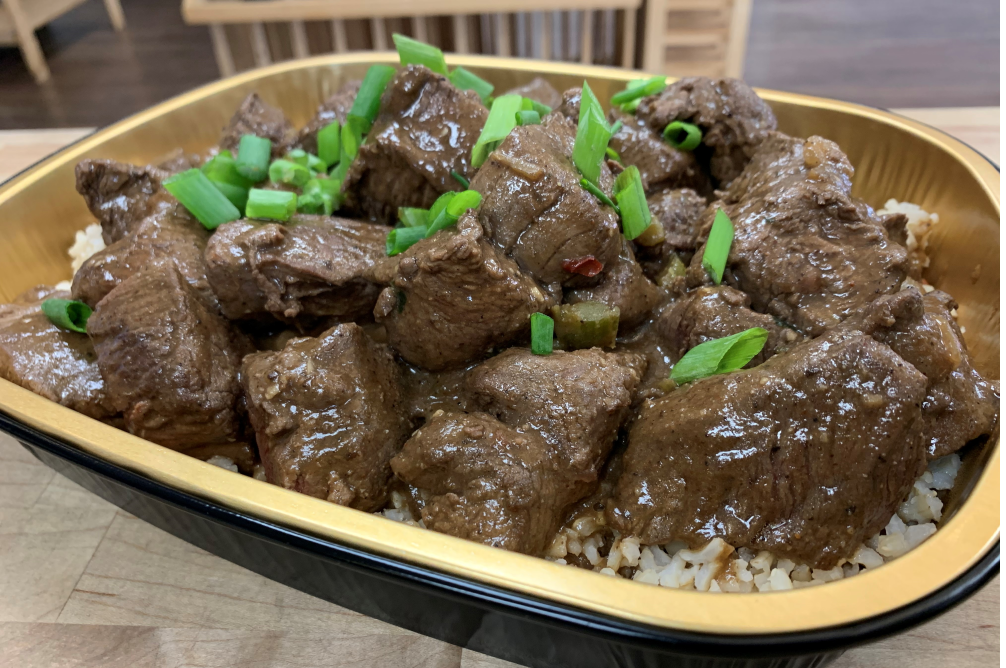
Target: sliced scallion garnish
(592, 136)
(329, 143)
(253, 157)
(721, 237)
(202, 198)
(724, 355)
(542, 327)
(527, 104)
(314, 199)
(222, 168)
(67, 314)
(465, 80)
(632, 204)
(271, 204)
(413, 52)
(401, 239)
(639, 88)
(368, 99)
(237, 195)
(289, 173)
(412, 217)
(449, 207)
(502, 120)
(613, 155)
(528, 118)
(683, 136)
(460, 179)
(598, 193)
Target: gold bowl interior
(894, 157)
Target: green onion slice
(368, 99)
(719, 355)
(502, 120)
(527, 104)
(639, 88)
(271, 204)
(440, 204)
(401, 238)
(683, 136)
(330, 143)
(460, 179)
(630, 107)
(67, 314)
(253, 157)
(222, 168)
(237, 195)
(449, 207)
(542, 327)
(632, 204)
(202, 198)
(413, 52)
(318, 198)
(462, 201)
(599, 194)
(528, 118)
(289, 173)
(412, 217)
(615, 127)
(465, 80)
(613, 154)
(592, 136)
(721, 237)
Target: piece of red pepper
(587, 265)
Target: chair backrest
(603, 32)
(696, 37)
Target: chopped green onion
(368, 99)
(305, 159)
(329, 143)
(630, 107)
(615, 127)
(541, 334)
(460, 179)
(67, 314)
(202, 198)
(598, 193)
(440, 204)
(502, 120)
(316, 198)
(592, 136)
(237, 195)
(528, 118)
(632, 204)
(352, 137)
(465, 80)
(527, 104)
(222, 168)
(683, 136)
(721, 237)
(719, 356)
(413, 52)
(613, 154)
(401, 238)
(271, 204)
(289, 173)
(411, 217)
(449, 207)
(639, 88)
(462, 201)
(253, 157)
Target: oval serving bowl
(510, 605)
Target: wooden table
(85, 585)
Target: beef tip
(179, 161)
(570, 105)
(679, 212)
(733, 120)
(52, 362)
(539, 90)
(255, 117)
(170, 237)
(576, 400)
(313, 266)
(170, 361)
(425, 130)
(623, 287)
(960, 405)
(534, 208)
(485, 481)
(335, 108)
(454, 297)
(326, 413)
(806, 455)
(660, 165)
(712, 313)
(121, 195)
(804, 248)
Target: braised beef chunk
(312, 266)
(534, 208)
(576, 400)
(169, 361)
(121, 195)
(425, 130)
(55, 363)
(179, 161)
(255, 117)
(712, 313)
(804, 248)
(335, 108)
(960, 405)
(624, 287)
(570, 105)
(679, 212)
(660, 165)
(806, 455)
(539, 90)
(733, 119)
(171, 238)
(327, 415)
(485, 481)
(454, 297)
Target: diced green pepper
(675, 269)
(586, 325)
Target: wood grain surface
(85, 585)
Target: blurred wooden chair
(19, 19)
(685, 36)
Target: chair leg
(115, 15)
(26, 41)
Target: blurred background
(84, 63)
